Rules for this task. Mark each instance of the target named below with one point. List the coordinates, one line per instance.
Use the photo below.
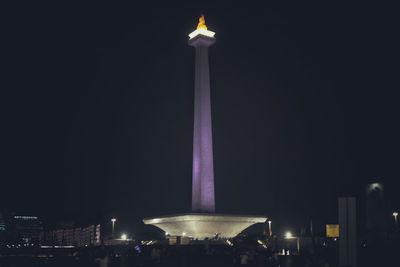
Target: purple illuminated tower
(203, 170)
(202, 223)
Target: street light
(395, 214)
(269, 228)
(113, 220)
(288, 235)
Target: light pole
(113, 220)
(395, 214)
(269, 228)
(289, 235)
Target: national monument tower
(203, 198)
(202, 222)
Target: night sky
(97, 109)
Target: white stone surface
(201, 226)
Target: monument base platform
(204, 225)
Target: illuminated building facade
(73, 236)
(25, 229)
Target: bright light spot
(124, 237)
(166, 233)
(201, 31)
(113, 220)
(259, 242)
(26, 217)
(288, 235)
(202, 23)
(395, 214)
(183, 233)
(375, 186)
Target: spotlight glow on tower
(203, 199)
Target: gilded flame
(202, 23)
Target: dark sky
(98, 105)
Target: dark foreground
(130, 256)
(185, 256)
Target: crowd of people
(163, 255)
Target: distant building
(25, 229)
(72, 236)
(375, 208)
(2, 230)
(347, 231)
(2, 223)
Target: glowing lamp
(288, 235)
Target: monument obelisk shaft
(207, 224)
(203, 199)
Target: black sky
(98, 104)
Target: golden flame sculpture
(202, 23)
(201, 29)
